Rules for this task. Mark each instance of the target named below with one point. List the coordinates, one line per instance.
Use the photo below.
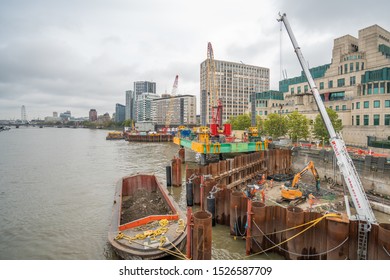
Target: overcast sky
(80, 54)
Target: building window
(364, 89)
(388, 87)
(352, 120)
(330, 84)
(387, 103)
(351, 67)
(345, 68)
(369, 89)
(357, 105)
(321, 85)
(366, 104)
(344, 107)
(306, 88)
(382, 87)
(366, 119)
(387, 119)
(299, 89)
(292, 90)
(357, 120)
(362, 65)
(376, 119)
(337, 107)
(377, 104)
(341, 82)
(376, 91)
(352, 81)
(357, 66)
(353, 105)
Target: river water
(57, 187)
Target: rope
(387, 252)
(257, 243)
(236, 224)
(302, 255)
(153, 234)
(310, 222)
(181, 226)
(292, 237)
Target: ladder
(362, 240)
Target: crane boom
(345, 163)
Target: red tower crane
(215, 102)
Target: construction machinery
(216, 127)
(364, 213)
(293, 192)
(253, 131)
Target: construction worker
(311, 200)
(271, 183)
(263, 195)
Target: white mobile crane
(364, 213)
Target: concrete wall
(374, 172)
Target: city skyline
(77, 56)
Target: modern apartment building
(234, 82)
(144, 86)
(130, 105)
(143, 106)
(120, 113)
(356, 84)
(183, 108)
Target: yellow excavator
(292, 192)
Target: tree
(275, 125)
(319, 128)
(127, 123)
(298, 126)
(240, 122)
(260, 125)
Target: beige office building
(235, 82)
(356, 84)
(183, 108)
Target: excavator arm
(309, 166)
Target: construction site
(299, 204)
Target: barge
(146, 222)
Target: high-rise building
(356, 84)
(120, 113)
(183, 108)
(144, 86)
(234, 83)
(23, 114)
(92, 115)
(143, 106)
(130, 105)
(66, 116)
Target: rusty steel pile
(294, 233)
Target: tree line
(294, 125)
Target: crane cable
(292, 237)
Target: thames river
(57, 187)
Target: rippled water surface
(57, 187)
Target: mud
(141, 204)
